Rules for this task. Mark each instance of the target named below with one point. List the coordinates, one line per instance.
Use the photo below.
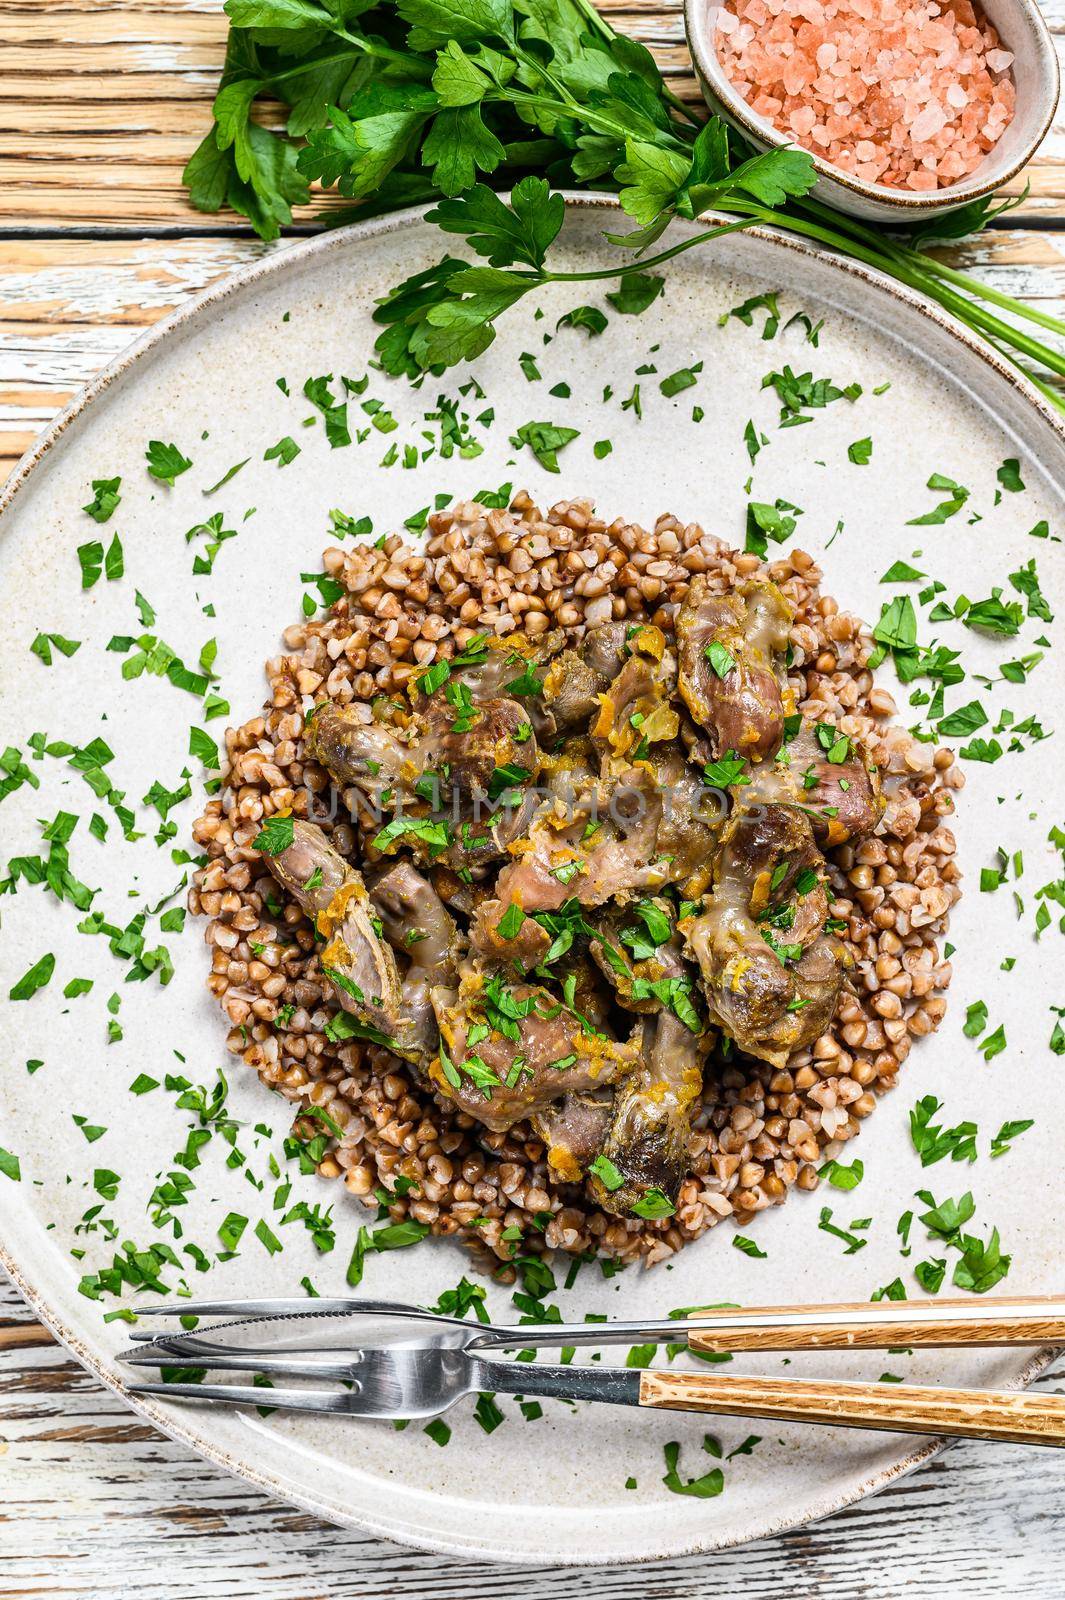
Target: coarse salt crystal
(906, 93)
(928, 124)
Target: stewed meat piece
(551, 850)
(463, 768)
(573, 1130)
(371, 757)
(646, 1143)
(770, 971)
(607, 846)
(732, 675)
(645, 1148)
(578, 676)
(831, 776)
(416, 922)
(358, 963)
(508, 1050)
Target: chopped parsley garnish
(902, 572)
(607, 1173)
(748, 1247)
(44, 643)
(843, 1177)
(228, 476)
(437, 675)
(1009, 1131)
(933, 1143)
(636, 291)
(705, 1488)
(721, 659)
(510, 923)
(836, 745)
(653, 1205)
(105, 499)
(800, 393)
(767, 522)
(165, 461)
(36, 978)
(545, 440)
(728, 772)
(390, 1236)
(1009, 475)
(526, 683)
(851, 1240)
(93, 561)
(275, 835)
(334, 413)
(283, 452)
(268, 1238)
(435, 835)
(980, 1266)
(745, 313)
(956, 498)
(683, 378)
(590, 318)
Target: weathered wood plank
(100, 106)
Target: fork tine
(246, 1394)
(345, 1305)
(264, 1361)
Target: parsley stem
(370, 47)
(644, 262)
(594, 119)
(974, 286)
(377, 47)
(987, 322)
(1045, 389)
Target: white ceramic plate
(554, 1490)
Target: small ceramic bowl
(1035, 73)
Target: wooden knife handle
(1037, 1320)
(895, 1407)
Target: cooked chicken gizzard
(591, 866)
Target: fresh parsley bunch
(400, 102)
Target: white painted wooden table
(101, 102)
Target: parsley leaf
(165, 461)
(545, 440)
(105, 499)
(275, 835)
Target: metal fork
(414, 1382)
(1033, 1320)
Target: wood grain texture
(101, 104)
(893, 1407)
(1033, 1319)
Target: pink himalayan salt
(907, 93)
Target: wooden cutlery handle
(895, 1407)
(864, 1326)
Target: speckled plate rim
(188, 1433)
